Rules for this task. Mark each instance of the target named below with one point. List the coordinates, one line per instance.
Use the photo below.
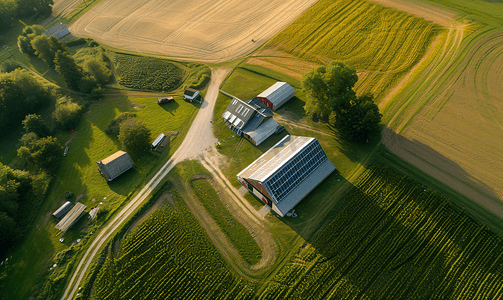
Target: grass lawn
(79, 174)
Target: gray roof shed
(114, 165)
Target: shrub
(114, 125)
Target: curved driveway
(199, 138)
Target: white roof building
(276, 95)
(287, 172)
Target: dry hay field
(196, 30)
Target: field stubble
(201, 30)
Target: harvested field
(453, 112)
(199, 30)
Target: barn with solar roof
(287, 173)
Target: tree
(331, 91)
(44, 153)
(99, 70)
(28, 34)
(10, 65)
(330, 88)
(20, 94)
(67, 113)
(42, 49)
(68, 69)
(133, 134)
(360, 120)
(35, 123)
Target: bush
(147, 73)
(67, 113)
(114, 125)
(200, 78)
(134, 135)
(9, 66)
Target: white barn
(287, 173)
(276, 95)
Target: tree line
(90, 77)
(13, 10)
(332, 98)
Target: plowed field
(202, 30)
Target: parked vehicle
(165, 100)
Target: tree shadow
(294, 109)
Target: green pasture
(79, 174)
(485, 11)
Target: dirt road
(199, 138)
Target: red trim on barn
(266, 102)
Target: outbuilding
(72, 217)
(115, 165)
(158, 141)
(287, 173)
(276, 95)
(61, 212)
(190, 94)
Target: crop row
(147, 73)
(382, 42)
(168, 256)
(394, 239)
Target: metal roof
(61, 212)
(239, 110)
(72, 217)
(263, 131)
(277, 92)
(115, 165)
(304, 188)
(158, 140)
(275, 157)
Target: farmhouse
(72, 217)
(276, 95)
(61, 212)
(251, 121)
(190, 94)
(114, 165)
(287, 172)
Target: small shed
(71, 217)
(61, 212)
(58, 30)
(115, 165)
(190, 94)
(276, 95)
(158, 140)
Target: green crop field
(382, 43)
(394, 239)
(148, 73)
(235, 232)
(169, 256)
